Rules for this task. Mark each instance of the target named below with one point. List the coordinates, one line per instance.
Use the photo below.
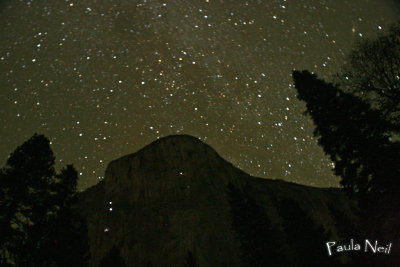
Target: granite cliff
(176, 202)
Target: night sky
(101, 79)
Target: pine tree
(358, 125)
(190, 260)
(113, 258)
(354, 136)
(27, 199)
(304, 236)
(259, 240)
(33, 199)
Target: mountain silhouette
(176, 202)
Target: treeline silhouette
(297, 241)
(38, 224)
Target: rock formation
(176, 203)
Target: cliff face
(177, 202)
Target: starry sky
(101, 79)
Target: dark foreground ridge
(176, 202)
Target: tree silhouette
(190, 260)
(358, 125)
(259, 240)
(354, 135)
(304, 237)
(68, 241)
(34, 203)
(113, 258)
(373, 74)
